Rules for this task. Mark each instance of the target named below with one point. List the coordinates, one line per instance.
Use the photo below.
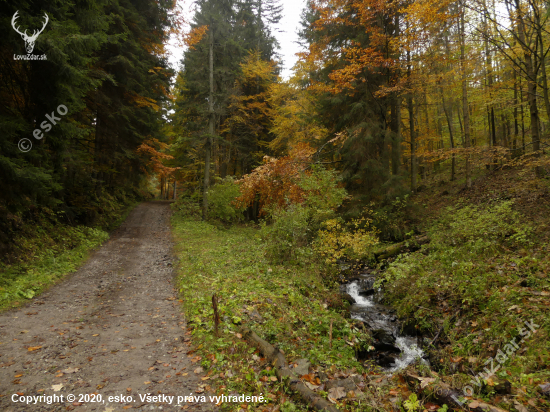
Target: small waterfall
(380, 317)
(353, 290)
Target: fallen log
(397, 248)
(283, 372)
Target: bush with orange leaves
(296, 195)
(293, 179)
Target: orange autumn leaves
(154, 149)
(393, 28)
(276, 181)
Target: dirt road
(113, 328)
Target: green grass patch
(287, 305)
(22, 281)
(47, 250)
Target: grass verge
(289, 306)
(52, 251)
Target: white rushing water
(366, 310)
(353, 290)
(410, 353)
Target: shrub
(286, 237)
(221, 201)
(395, 220)
(337, 239)
(187, 206)
(464, 244)
(483, 230)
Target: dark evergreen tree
(99, 90)
(369, 121)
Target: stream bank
(395, 345)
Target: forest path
(112, 328)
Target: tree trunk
(531, 81)
(208, 148)
(396, 120)
(465, 109)
(543, 69)
(516, 124)
(410, 105)
(449, 117)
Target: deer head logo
(29, 40)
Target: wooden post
(330, 335)
(216, 315)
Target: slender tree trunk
(522, 118)
(449, 117)
(396, 120)
(208, 148)
(412, 131)
(531, 80)
(465, 108)
(516, 124)
(396, 129)
(543, 70)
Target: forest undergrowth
(478, 285)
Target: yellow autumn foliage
(338, 239)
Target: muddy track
(112, 328)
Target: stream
(393, 349)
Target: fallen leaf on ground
(199, 370)
(311, 386)
(520, 407)
(425, 382)
(33, 348)
(337, 393)
(70, 370)
(57, 388)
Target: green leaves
(221, 199)
(412, 404)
